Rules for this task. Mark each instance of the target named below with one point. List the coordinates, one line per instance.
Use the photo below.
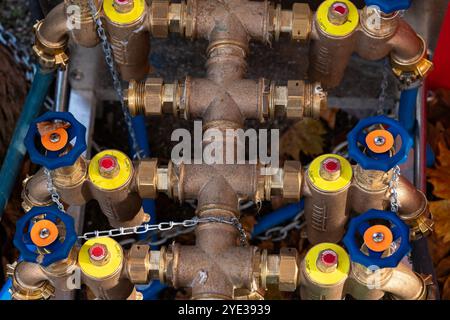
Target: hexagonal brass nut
(289, 270)
(146, 178)
(301, 22)
(295, 103)
(160, 18)
(292, 180)
(138, 263)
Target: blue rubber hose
(407, 109)
(277, 218)
(4, 291)
(16, 150)
(152, 291)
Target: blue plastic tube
(4, 292)
(407, 109)
(152, 291)
(16, 150)
(277, 217)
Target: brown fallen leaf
(439, 177)
(329, 116)
(441, 215)
(445, 295)
(304, 136)
(443, 269)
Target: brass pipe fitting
(323, 272)
(400, 282)
(281, 269)
(29, 282)
(34, 191)
(326, 205)
(334, 43)
(260, 100)
(296, 22)
(71, 19)
(129, 37)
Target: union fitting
(304, 100)
(281, 269)
(297, 22)
(152, 97)
(284, 182)
(34, 288)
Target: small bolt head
(123, 6)
(378, 237)
(330, 169)
(44, 233)
(108, 166)
(55, 137)
(327, 261)
(338, 13)
(98, 253)
(379, 140)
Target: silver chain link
(20, 55)
(109, 59)
(384, 85)
(393, 184)
(165, 226)
(52, 190)
(280, 233)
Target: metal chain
(281, 232)
(384, 85)
(393, 184)
(109, 59)
(165, 226)
(52, 190)
(20, 55)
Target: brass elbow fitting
(412, 70)
(37, 287)
(50, 55)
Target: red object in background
(440, 76)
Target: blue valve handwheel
(378, 161)
(58, 250)
(53, 159)
(397, 230)
(389, 6)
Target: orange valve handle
(43, 233)
(380, 141)
(55, 140)
(378, 238)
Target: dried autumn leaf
(446, 290)
(329, 115)
(443, 269)
(439, 177)
(304, 136)
(438, 249)
(248, 222)
(441, 215)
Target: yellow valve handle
(110, 267)
(124, 174)
(330, 278)
(124, 18)
(337, 30)
(330, 186)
